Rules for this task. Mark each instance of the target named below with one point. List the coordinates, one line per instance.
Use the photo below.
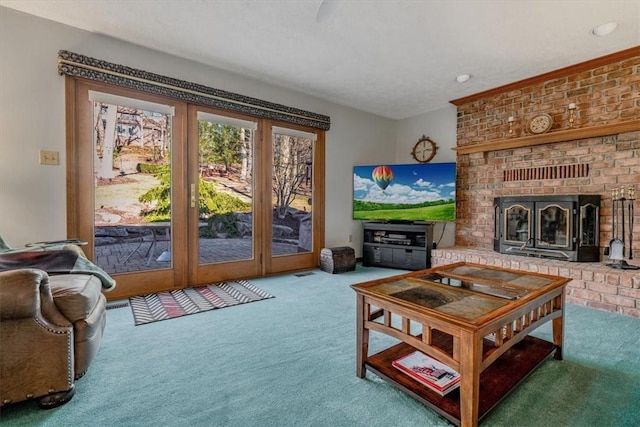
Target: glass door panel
(292, 186)
(517, 224)
(132, 184)
(225, 189)
(224, 229)
(589, 225)
(553, 229)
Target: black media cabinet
(397, 245)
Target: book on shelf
(429, 372)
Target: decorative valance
(85, 67)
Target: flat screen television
(405, 193)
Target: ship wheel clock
(424, 150)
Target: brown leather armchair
(50, 329)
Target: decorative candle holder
(572, 110)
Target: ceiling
(396, 59)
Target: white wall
(440, 126)
(358, 140)
(32, 197)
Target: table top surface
(464, 291)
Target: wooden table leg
(558, 329)
(362, 337)
(470, 355)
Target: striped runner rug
(169, 305)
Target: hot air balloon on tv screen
(382, 176)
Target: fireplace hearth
(564, 227)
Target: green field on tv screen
(444, 212)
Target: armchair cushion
(75, 295)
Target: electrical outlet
(49, 157)
(350, 238)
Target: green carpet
(290, 361)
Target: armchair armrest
(25, 293)
(37, 341)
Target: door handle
(193, 195)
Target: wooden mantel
(552, 137)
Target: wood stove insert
(562, 227)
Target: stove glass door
(554, 226)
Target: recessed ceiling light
(604, 29)
(463, 78)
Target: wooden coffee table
(474, 318)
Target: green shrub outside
(214, 206)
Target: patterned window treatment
(74, 64)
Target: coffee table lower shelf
(495, 382)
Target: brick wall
(607, 93)
(593, 285)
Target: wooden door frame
(305, 260)
(81, 191)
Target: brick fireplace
(589, 150)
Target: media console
(397, 245)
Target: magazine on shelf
(428, 371)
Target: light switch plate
(49, 157)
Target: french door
(223, 207)
(170, 195)
(252, 196)
(126, 158)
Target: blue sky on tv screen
(410, 183)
